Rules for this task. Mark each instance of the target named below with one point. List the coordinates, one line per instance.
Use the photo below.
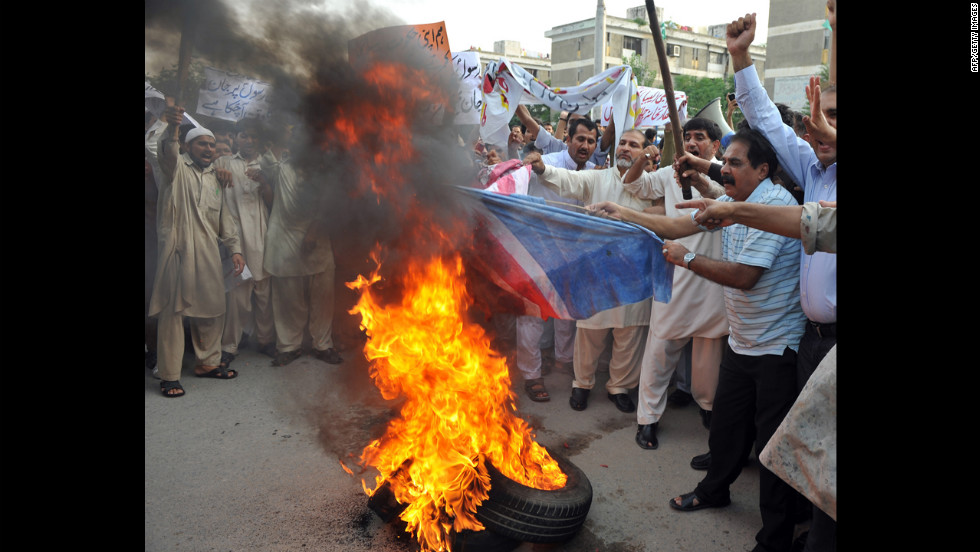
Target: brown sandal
(536, 390)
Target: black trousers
(818, 340)
(754, 394)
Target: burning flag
(563, 264)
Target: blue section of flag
(589, 263)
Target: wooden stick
(675, 123)
(187, 34)
(564, 204)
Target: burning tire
(533, 515)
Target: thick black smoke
(303, 53)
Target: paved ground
(253, 464)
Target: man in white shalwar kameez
(696, 311)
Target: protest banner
(424, 47)
(154, 100)
(394, 43)
(652, 108)
(469, 99)
(233, 97)
(505, 85)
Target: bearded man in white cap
(192, 220)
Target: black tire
(534, 515)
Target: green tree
(700, 91)
(644, 75)
(166, 81)
(824, 79)
(541, 112)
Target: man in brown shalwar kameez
(189, 280)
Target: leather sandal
(167, 386)
(536, 390)
(216, 372)
(283, 359)
(646, 436)
(687, 503)
(579, 399)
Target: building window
(716, 58)
(633, 43)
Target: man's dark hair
(221, 127)
(536, 120)
(183, 130)
(582, 121)
(707, 125)
(760, 150)
(792, 119)
(646, 141)
(650, 134)
(255, 128)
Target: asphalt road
(253, 464)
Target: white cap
(195, 132)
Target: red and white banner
(652, 108)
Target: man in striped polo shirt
(759, 272)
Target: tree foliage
(824, 81)
(700, 92)
(644, 75)
(166, 81)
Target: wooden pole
(187, 33)
(675, 123)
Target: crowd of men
(211, 216)
(753, 312)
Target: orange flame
(459, 407)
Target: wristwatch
(688, 257)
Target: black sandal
(330, 356)
(646, 436)
(283, 359)
(226, 359)
(167, 386)
(218, 372)
(687, 503)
